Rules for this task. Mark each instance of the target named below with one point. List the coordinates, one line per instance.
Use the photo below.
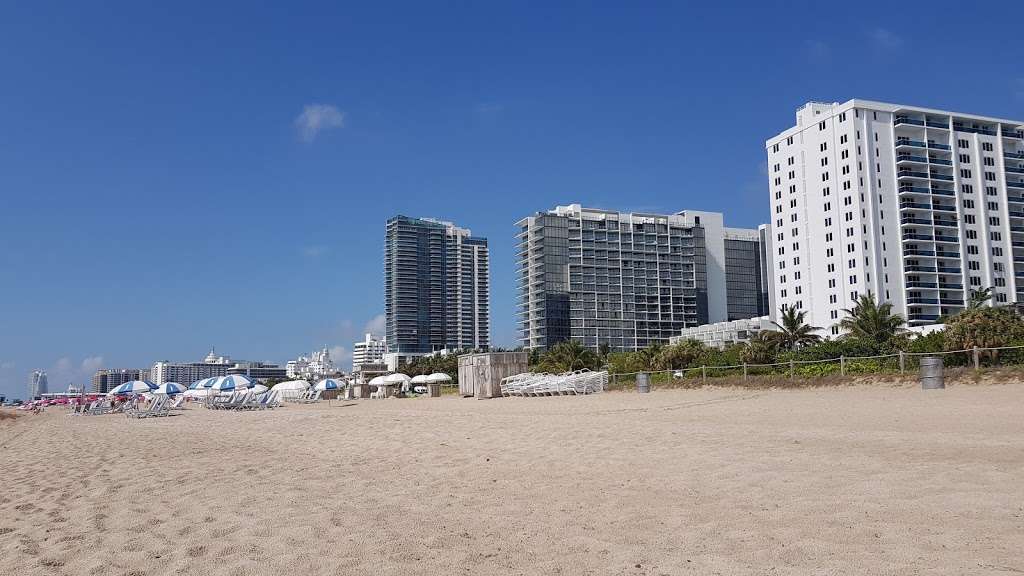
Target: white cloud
(315, 251)
(66, 371)
(316, 118)
(885, 39)
(376, 325)
(341, 356)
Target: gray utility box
(481, 374)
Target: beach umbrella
(397, 378)
(378, 381)
(169, 388)
(330, 384)
(259, 389)
(230, 383)
(199, 384)
(438, 377)
(291, 385)
(133, 387)
(200, 393)
(421, 379)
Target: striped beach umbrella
(200, 384)
(169, 388)
(229, 383)
(133, 387)
(330, 384)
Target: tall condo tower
(916, 206)
(436, 287)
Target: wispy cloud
(817, 51)
(341, 356)
(884, 39)
(376, 325)
(316, 118)
(66, 371)
(315, 251)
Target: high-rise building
(916, 206)
(37, 384)
(369, 351)
(108, 378)
(436, 287)
(630, 280)
(186, 373)
(318, 364)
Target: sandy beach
(850, 480)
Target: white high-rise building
(914, 205)
(318, 364)
(37, 384)
(369, 351)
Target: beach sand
(849, 480)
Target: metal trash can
(434, 390)
(931, 373)
(643, 382)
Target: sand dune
(855, 480)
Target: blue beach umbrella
(230, 383)
(200, 384)
(330, 384)
(169, 388)
(133, 387)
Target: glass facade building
(625, 280)
(436, 287)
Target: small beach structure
(481, 374)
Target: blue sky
(180, 175)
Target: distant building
(318, 364)
(722, 334)
(436, 287)
(630, 280)
(262, 371)
(37, 384)
(186, 373)
(369, 351)
(105, 380)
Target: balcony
(938, 176)
(946, 270)
(916, 268)
(942, 254)
(934, 124)
(911, 174)
(940, 238)
(911, 158)
(905, 120)
(916, 284)
(1015, 170)
(918, 205)
(913, 301)
(1019, 185)
(974, 129)
(917, 189)
(946, 223)
(942, 208)
(951, 287)
(933, 160)
(1017, 155)
(1013, 134)
(922, 317)
(942, 191)
(912, 220)
(924, 237)
(911, 252)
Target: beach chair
(312, 399)
(247, 402)
(148, 411)
(220, 402)
(178, 403)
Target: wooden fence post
(842, 365)
(976, 363)
(744, 370)
(704, 374)
(790, 368)
(903, 365)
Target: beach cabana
(291, 388)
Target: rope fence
(899, 362)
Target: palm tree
(569, 356)
(979, 298)
(761, 349)
(871, 321)
(793, 333)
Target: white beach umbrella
(378, 381)
(291, 385)
(199, 384)
(330, 384)
(421, 379)
(169, 389)
(133, 387)
(397, 378)
(438, 377)
(200, 393)
(230, 383)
